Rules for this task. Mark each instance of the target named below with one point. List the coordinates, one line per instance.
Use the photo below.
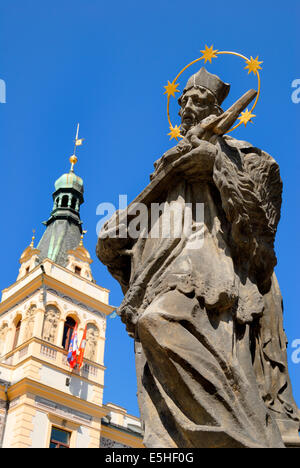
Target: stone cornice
(29, 386)
(58, 288)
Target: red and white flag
(73, 349)
(81, 349)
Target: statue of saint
(51, 319)
(207, 321)
(92, 335)
(30, 317)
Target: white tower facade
(43, 403)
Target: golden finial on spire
(78, 142)
(82, 237)
(33, 239)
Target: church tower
(43, 403)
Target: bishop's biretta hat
(211, 82)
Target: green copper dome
(64, 227)
(70, 180)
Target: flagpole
(70, 354)
(76, 138)
(73, 158)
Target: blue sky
(104, 65)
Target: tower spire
(64, 227)
(78, 142)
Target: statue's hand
(191, 144)
(206, 148)
(112, 238)
(200, 161)
(183, 147)
(116, 231)
(194, 135)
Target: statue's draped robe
(195, 314)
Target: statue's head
(201, 97)
(92, 332)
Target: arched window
(65, 201)
(73, 204)
(17, 333)
(68, 330)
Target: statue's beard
(190, 119)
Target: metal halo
(224, 52)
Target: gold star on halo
(209, 53)
(175, 132)
(246, 117)
(253, 65)
(171, 89)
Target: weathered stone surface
(210, 347)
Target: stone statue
(52, 315)
(3, 334)
(207, 321)
(92, 335)
(29, 323)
